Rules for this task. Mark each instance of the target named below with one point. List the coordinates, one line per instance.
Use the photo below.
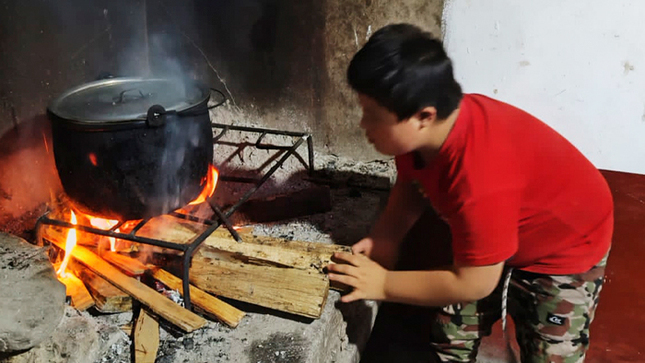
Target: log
(259, 250)
(175, 314)
(107, 297)
(146, 338)
(271, 272)
(210, 304)
(300, 292)
(261, 254)
(312, 200)
(129, 265)
(319, 253)
(81, 298)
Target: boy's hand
(358, 271)
(363, 247)
(382, 252)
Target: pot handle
(220, 102)
(202, 111)
(156, 116)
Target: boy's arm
(442, 287)
(427, 288)
(404, 207)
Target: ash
(359, 190)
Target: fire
(211, 183)
(69, 246)
(105, 224)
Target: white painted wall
(578, 65)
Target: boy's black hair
(405, 69)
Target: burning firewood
(175, 314)
(81, 298)
(210, 304)
(129, 265)
(108, 298)
(271, 272)
(260, 250)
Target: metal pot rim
(59, 107)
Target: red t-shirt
(512, 189)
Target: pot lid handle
(156, 116)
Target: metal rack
(188, 250)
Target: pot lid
(125, 99)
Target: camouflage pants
(552, 314)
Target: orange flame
(128, 226)
(105, 224)
(211, 183)
(69, 246)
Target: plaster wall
(577, 65)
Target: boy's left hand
(358, 271)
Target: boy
(530, 217)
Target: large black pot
(131, 148)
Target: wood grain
(175, 314)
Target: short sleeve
(404, 167)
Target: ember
(92, 157)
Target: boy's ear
(426, 116)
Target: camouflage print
(552, 314)
(554, 324)
(458, 328)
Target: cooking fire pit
(111, 227)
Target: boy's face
(384, 130)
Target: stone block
(32, 299)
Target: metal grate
(222, 216)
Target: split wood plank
(81, 298)
(209, 303)
(279, 256)
(129, 265)
(300, 292)
(320, 253)
(108, 298)
(175, 314)
(297, 291)
(276, 251)
(146, 338)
